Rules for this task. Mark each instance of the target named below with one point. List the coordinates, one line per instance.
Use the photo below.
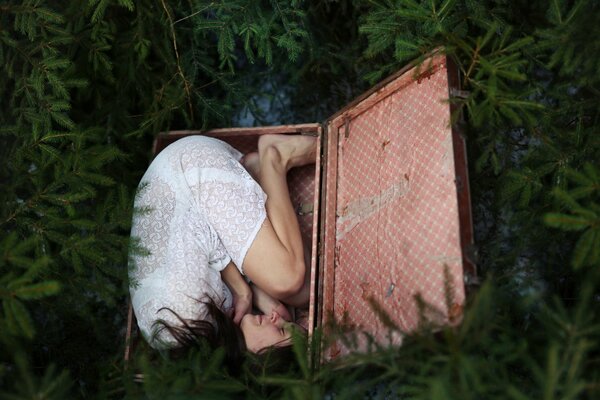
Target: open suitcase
(385, 209)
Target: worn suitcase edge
(339, 123)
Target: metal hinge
(461, 94)
(471, 280)
(305, 208)
(336, 256)
(346, 126)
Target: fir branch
(186, 85)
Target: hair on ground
(196, 333)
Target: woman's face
(261, 331)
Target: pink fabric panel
(397, 222)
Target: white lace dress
(196, 210)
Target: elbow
(291, 283)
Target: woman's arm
(242, 294)
(268, 304)
(275, 259)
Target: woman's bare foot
(251, 162)
(294, 150)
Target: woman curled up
(209, 220)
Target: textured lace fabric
(196, 210)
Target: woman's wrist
(235, 281)
(242, 290)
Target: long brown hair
(194, 333)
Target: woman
(206, 217)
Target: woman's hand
(268, 304)
(242, 304)
(242, 294)
(282, 310)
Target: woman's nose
(276, 319)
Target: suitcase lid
(396, 215)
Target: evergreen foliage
(85, 86)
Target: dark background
(86, 86)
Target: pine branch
(186, 84)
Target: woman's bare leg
(286, 152)
(279, 241)
(251, 162)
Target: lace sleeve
(236, 211)
(218, 258)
